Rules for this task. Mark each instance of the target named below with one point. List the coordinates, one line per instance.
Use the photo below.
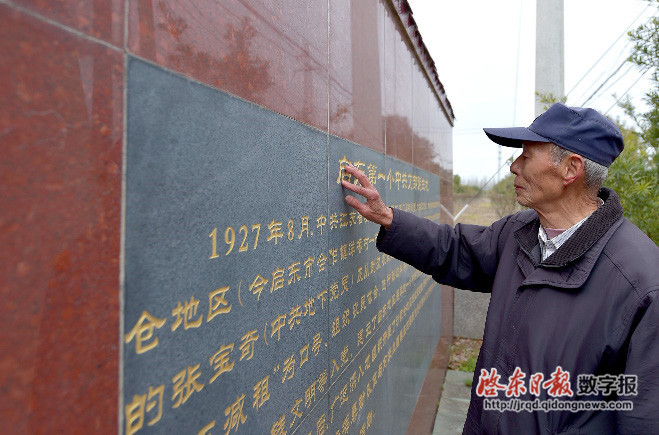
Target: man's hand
(374, 210)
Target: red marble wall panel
(272, 52)
(441, 136)
(102, 19)
(357, 71)
(423, 152)
(60, 196)
(398, 91)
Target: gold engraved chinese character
(261, 393)
(345, 318)
(275, 231)
(310, 394)
(304, 220)
(184, 314)
(321, 425)
(277, 324)
(217, 303)
(294, 272)
(295, 410)
(372, 174)
(257, 286)
(279, 426)
(345, 426)
(322, 381)
(317, 341)
(321, 262)
(220, 361)
(309, 309)
(294, 316)
(185, 385)
(335, 368)
(277, 279)
(289, 368)
(336, 326)
(134, 414)
(334, 254)
(344, 355)
(205, 430)
(234, 414)
(247, 345)
(143, 331)
(304, 354)
(342, 174)
(334, 221)
(322, 296)
(344, 220)
(334, 291)
(321, 222)
(308, 266)
(151, 403)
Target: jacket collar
(600, 223)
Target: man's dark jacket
(591, 308)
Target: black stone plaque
(255, 299)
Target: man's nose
(514, 167)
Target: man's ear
(573, 167)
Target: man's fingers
(354, 203)
(359, 175)
(359, 190)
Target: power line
(607, 50)
(629, 69)
(604, 82)
(622, 55)
(628, 89)
(482, 187)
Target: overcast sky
(485, 56)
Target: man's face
(537, 182)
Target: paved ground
(454, 403)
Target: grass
(469, 365)
(480, 211)
(463, 354)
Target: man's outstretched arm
(464, 256)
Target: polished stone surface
(195, 176)
(382, 378)
(398, 92)
(422, 146)
(212, 172)
(222, 195)
(101, 19)
(60, 202)
(356, 76)
(270, 52)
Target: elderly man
(574, 311)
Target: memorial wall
(178, 254)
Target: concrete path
(453, 404)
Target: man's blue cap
(580, 130)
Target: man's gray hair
(595, 173)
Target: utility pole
(549, 51)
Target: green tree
(634, 176)
(635, 173)
(503, 197)
(463, 189)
